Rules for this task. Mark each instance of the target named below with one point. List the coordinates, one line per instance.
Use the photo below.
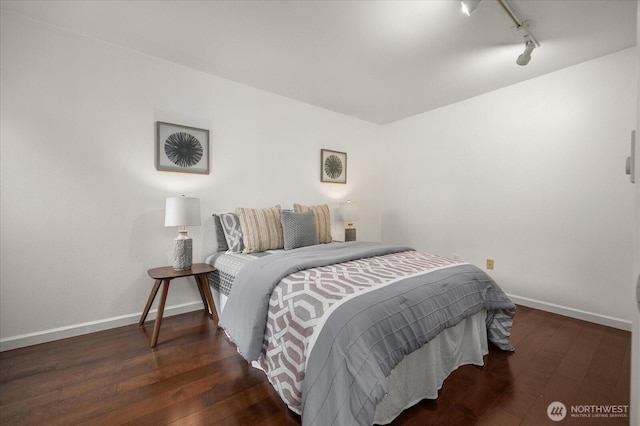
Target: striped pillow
(323, 220)
(261, 229)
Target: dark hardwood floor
(195, 376)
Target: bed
(353, 333)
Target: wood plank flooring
(195, 376)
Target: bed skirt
(421, 373)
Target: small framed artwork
(333, 166)
(182, 148)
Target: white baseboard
(45, 336)
(572, 312)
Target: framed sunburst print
(182, 148)
(333, 166)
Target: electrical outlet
(489, 263)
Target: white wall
(82, 204)
(532, 176)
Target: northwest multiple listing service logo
(557, 411)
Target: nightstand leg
(152, 296)
(199, 285)
(203, 284)
(163, 299)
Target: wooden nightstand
(164, 275)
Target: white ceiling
(380, 61)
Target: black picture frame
(181, 148)
(333, 166)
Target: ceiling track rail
(520, 25)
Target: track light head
(525, 57)
(530, 42)
(468, 6)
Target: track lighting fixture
(525, 57)
(468, 6)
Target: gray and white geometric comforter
(334, 332)
(301, 299)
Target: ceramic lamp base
(350, 234)
(182, 250)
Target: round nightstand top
(165, 272)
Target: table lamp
(349, 212)
(182, 211)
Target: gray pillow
(298, 229)
(232, 231)
(220, 239)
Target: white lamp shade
(182, 211)
(349, 212)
